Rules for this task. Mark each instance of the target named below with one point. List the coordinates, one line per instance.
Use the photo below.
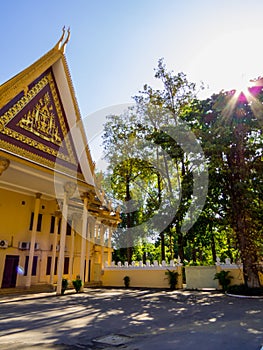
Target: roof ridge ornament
(61, 38)
(60, 44)
(63, 47)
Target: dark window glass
(56, 266)
(34, 266)
(48, 270)
(52, 224)
(26, 266)
(39, 222)
(31, 221)
(66, 265)
(59, 226)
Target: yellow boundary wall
(154, 276)
(147, 277)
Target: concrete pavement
(131, 319)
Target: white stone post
(102, 232)
(33, 240)
(69, 189)
(83, 239)
(109, 245)
(72, 248)
(54, 247)
(89, 223)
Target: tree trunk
(213, 248)
(171, 246)
(180, 242)
(240, 203)
(162, 246)
(128, 198)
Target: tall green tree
(232, 140)
(133, 179)
(163, 110)
(156, 119)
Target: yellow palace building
(55, 222)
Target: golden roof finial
(58, 46)
(63, 46)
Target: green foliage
(77, 284)
(172, 278)
(227, 127)
(223, 278)
(64, 285)
(126, 280)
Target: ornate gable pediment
(33, 125)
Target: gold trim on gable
(33, 117)
(77, 111)
(19, 84)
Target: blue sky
(115, 44)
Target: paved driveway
(132, 320)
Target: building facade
(55, 221)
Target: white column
(102, 232)
(88, 248)
(109, 245)
(33, 240)
(92, 229)
(69, 189)
(83, 239)
(72, 248)
(54, 248)
(96, 232)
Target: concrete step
(92, 284)
(38, 288)
(41, 288)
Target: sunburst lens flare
(242, 89)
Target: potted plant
(126, 280)
(223, 278)
(77, 284)
(64, 285)
(172, 278)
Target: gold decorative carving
(18, 106)
(41, 121)
(40, 112)
(4, 164)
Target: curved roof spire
(60, 44)
(63, 46)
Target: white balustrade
(139, 265)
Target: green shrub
(223, 278)
(77, 284)
(172, 278)
(64, 285)
(126, 280)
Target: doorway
(10, 271)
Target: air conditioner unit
(24, 245)
(3, 243)
(57, 247)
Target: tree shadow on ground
(77, 319)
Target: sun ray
(256, 106)
(229, 107)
